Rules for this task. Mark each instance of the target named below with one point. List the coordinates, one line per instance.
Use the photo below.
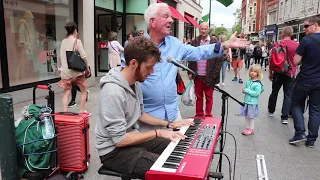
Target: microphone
(170, 59)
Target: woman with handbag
(74, 67)
(114, 50)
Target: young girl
(252, 89)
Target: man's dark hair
(141, 49)
(70, 27)
(314, 20)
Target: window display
(34, 30)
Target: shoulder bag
(75, 62)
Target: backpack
(258, 51)
(279, 61)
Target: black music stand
(224, 97)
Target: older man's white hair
(152, 10)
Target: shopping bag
(188, 97)
(180, 85)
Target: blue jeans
(299, 95)
(224, 69)
(278, 81)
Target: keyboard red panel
(196, 162)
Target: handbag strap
(74, 45)
(114, 48)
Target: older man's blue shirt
(159, 89)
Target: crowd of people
(138, 102)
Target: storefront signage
(10, 4)
(45, 55)
(103, 45)
(106, 4)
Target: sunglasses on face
(307, 25)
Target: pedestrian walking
(70, 77)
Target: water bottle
(47, 126)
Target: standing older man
(307, 84)
(159, 89)
(208, 69)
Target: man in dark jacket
(208, 69)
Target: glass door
(104, 25)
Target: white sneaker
(217, 85)
(270, 114)
(231, 68)
(223, 84)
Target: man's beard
(137, 75)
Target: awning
(193, 21)
(175, 13)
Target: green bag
(33, 151)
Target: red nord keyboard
(188, 159)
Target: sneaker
(85, 113)
(270, 114)
(235, 79)
(217, 85)
(72, 104)
(284, 121)
(297, 139)
(231, 68)
(223, 84)
(87, 98)
(309, 144)
(252, 131)
(240, 81)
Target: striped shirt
(202, 64)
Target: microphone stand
(224, 96)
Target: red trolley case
(73, 141)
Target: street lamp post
(210, 14)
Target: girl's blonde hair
(257, 68)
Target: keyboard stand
(224, 97)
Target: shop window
(301, 28)
(254, 25)
(135, 22)
(34, 31)
(301, 35)
(272, 16)
(280, 34)
(295, 29)
(294, 36)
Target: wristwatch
(168, 124)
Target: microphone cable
(235, 154)
(228, 162)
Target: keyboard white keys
(157, 166)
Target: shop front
(120, 16)
(298, 30)
(271, 32)
(31, 33)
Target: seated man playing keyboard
(121, 147)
